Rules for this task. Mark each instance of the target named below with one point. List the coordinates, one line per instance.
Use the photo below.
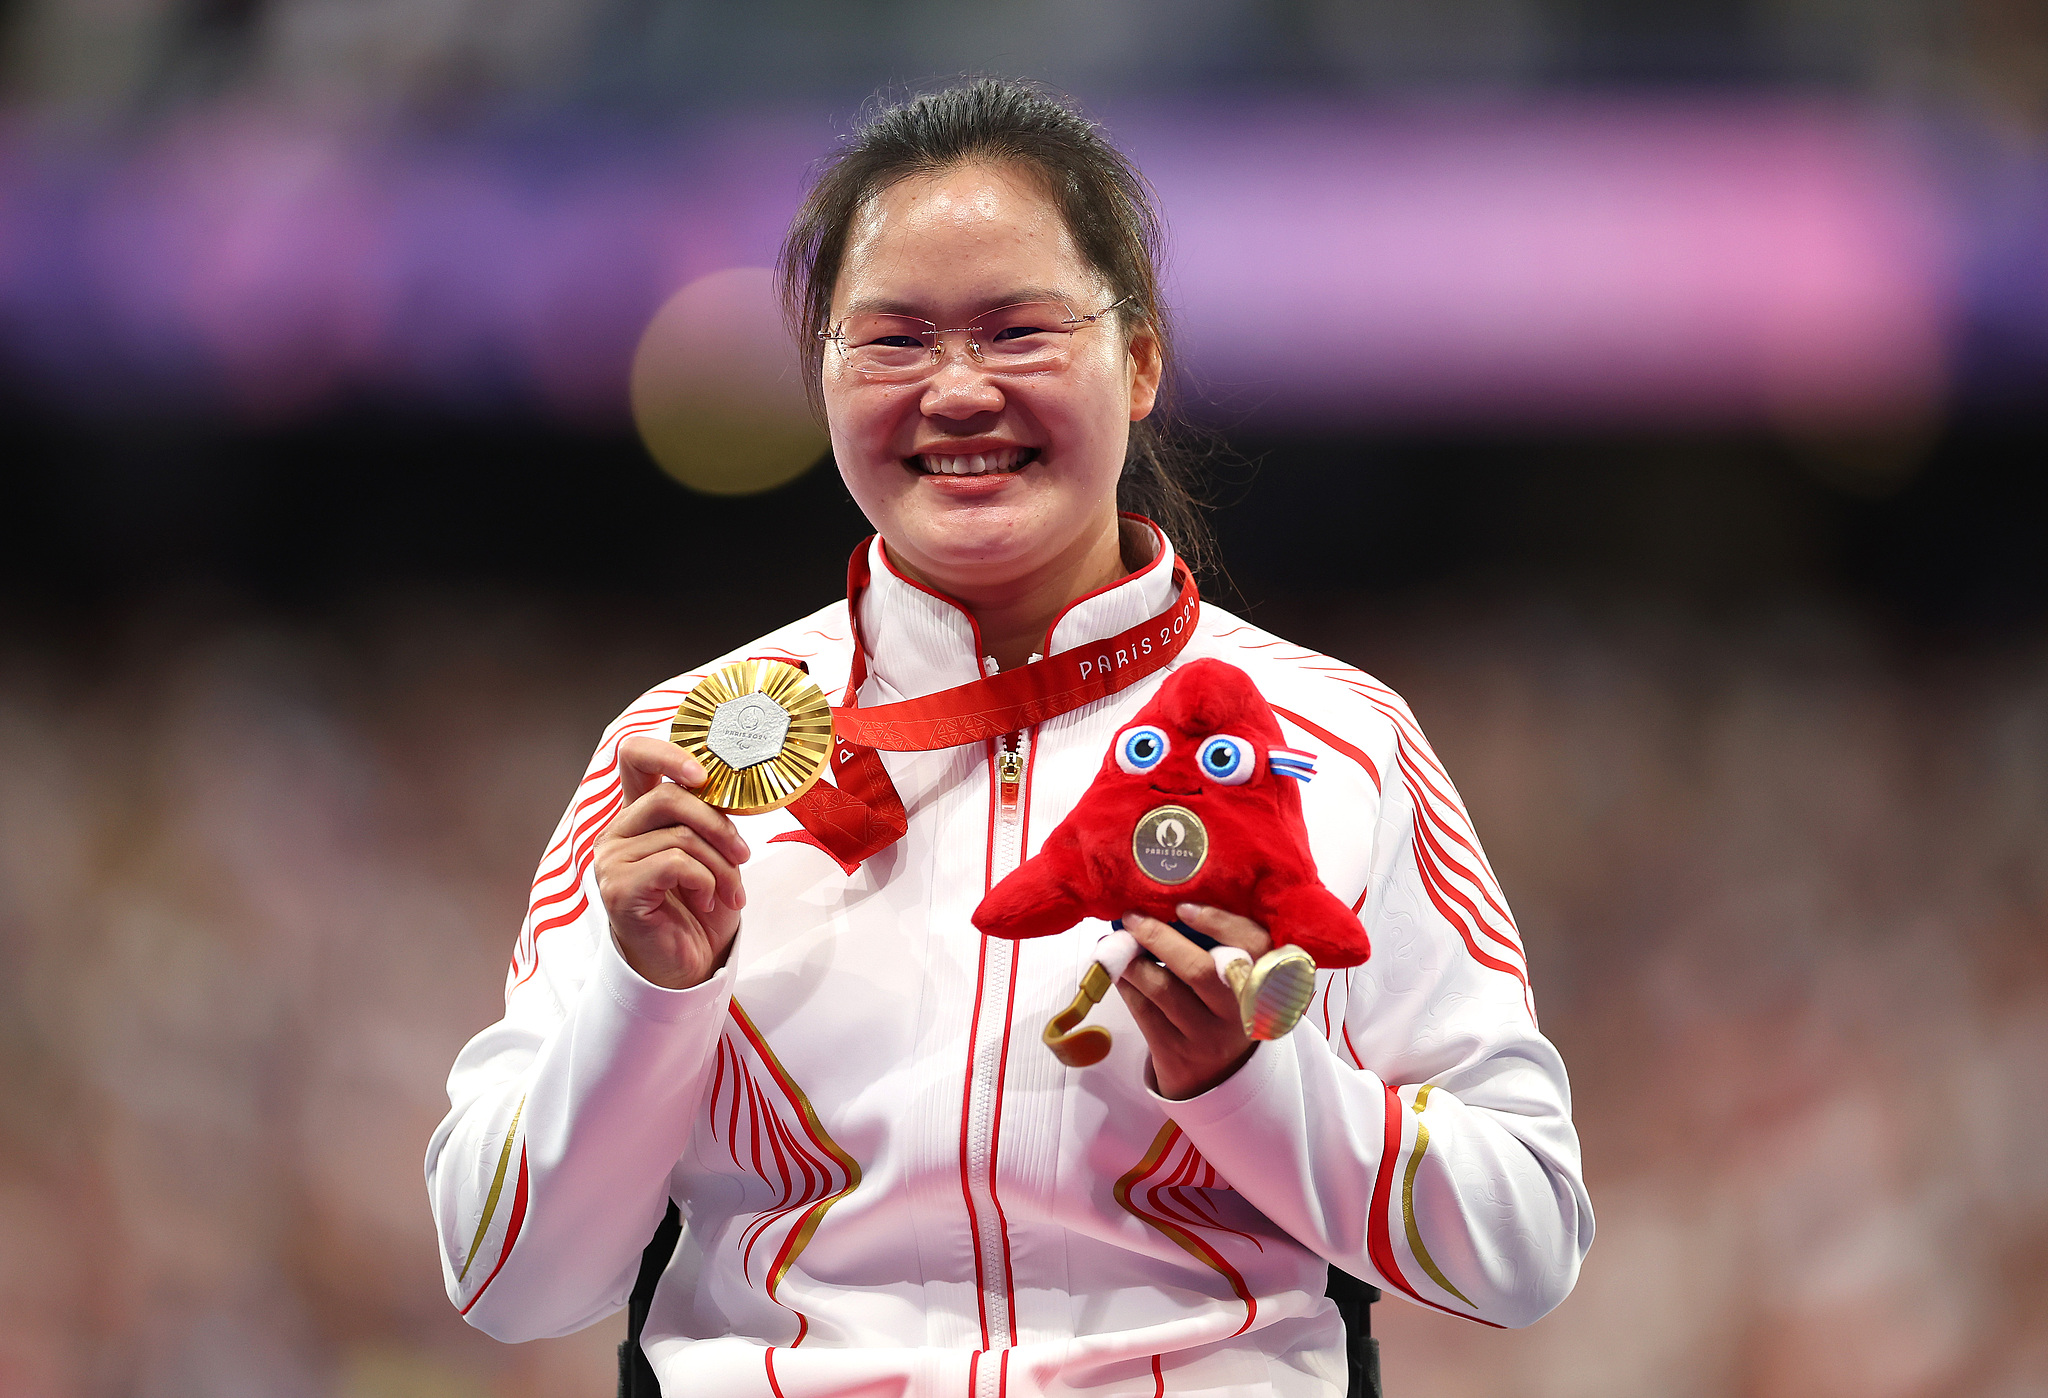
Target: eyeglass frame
(837, 334)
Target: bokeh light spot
(716, 392)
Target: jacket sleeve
(1420, 1135)
(550, 1171)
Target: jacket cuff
(1241, 1089)
(643, 999)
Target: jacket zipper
(985, 1085)
(1010, 773)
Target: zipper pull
(1010, 768)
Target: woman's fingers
(1226, 927)
(637, 888)
(644, 761)
(1160, 1032)
(1192, 1046)
(1192, 967)
(668, 820)
(1170, 997)
(731, 891)
(667, 868)
(669, 805)
(686, 877)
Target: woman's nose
(960, 388)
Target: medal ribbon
(859, 813)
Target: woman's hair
(1108, 210)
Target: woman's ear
(1145, 368)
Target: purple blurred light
(1574, 263)
(1604, 262)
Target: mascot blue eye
(1227, 761)
(1140, 750)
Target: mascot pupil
(1184, 810)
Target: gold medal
(1273, 991)
(1170, 844)
(762, 730)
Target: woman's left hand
(1188, 1015)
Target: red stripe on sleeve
(1349, 750)
(1378, 1245)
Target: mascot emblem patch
(1170, 844)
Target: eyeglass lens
(1027, 335)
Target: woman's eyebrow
(1028, 293)
(890, 305)
(880, 305)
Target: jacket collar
(919, 641)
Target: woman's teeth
(980, 464)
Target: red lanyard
(858, 812)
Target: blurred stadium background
(1655, 391)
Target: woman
(795, 1032)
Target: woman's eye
(1018, 332)
(895, 342)
(1227, 760)
(1140, 750)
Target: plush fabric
(1258, 862)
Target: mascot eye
(1140, 750)
(1227, 761)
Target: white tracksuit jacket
(890, 1185)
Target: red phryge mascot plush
(1196, 802)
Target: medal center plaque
(747, 730)
(1170, 844)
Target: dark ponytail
(1108, 208)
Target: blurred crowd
(1784, 886)
(101, 59)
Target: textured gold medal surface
(1170, 844)
(762, 730)
(1276, 992)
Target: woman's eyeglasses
(1028, 336)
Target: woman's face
(981, 480)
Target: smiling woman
(988, 457)
(884, 1183)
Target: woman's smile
(953, 463)
(971, 471)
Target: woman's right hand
(668, 869)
